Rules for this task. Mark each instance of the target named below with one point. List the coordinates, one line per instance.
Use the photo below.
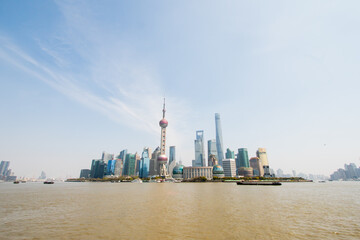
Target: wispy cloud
(101, 73)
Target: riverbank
(198, 179)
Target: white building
(193, 172)
(229, 167)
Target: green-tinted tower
(130, 165)
(229, 154)
(242, 158)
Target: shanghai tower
(219, 139)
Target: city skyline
(81, 78)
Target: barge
(260, 183)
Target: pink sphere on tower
(163, 123)
(162, 158)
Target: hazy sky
(81, 77)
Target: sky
(81, 77)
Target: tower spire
(164, 109)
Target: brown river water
(328, 210)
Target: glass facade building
(122, 156)
(144, 170)
(110, 170)
(107, 156)
(130, 164)
(243, 158)
(199, 149)
(219, 139)
(4, 166)
(172, 153)
(98, 169)
(230, 154)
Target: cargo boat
(260, 183)
(48, 182)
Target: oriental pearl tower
(162, 159)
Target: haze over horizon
(79, 78)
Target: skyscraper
(255, 163)
(144, 171)
(172, 160)
(172, 154)
(219, 139)
(162, 159)
(84, 173)
(107, 156)
(199, 149)
(153, 162)
(119, 165)
(110, 170)
(122, 156)
(211, 150)
(98, 168)
(212, 160)
(130, 164)
(243, 158)
(4, 166)
(261, 154)
(229, 154)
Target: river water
(179, 211)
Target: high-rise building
(172, 160)
(212, 160)
(144, 171)
(211, 150)
(351, 171)
(199, 149)
(110, 170)
(172, 153)
(107, 156)
(229, 154)
(122, 156)
(162, 159)
(42, 175)
(153, 162)
(261, 153)
(255, 163)
(219, 139)
(137, 164)
(4, 166)
(98, 168)
(130, 164)
(119, 165)
(242, 158)
(229, 167)
(84, 173)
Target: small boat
(260, 183)
(16, 182)
(49, 182)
